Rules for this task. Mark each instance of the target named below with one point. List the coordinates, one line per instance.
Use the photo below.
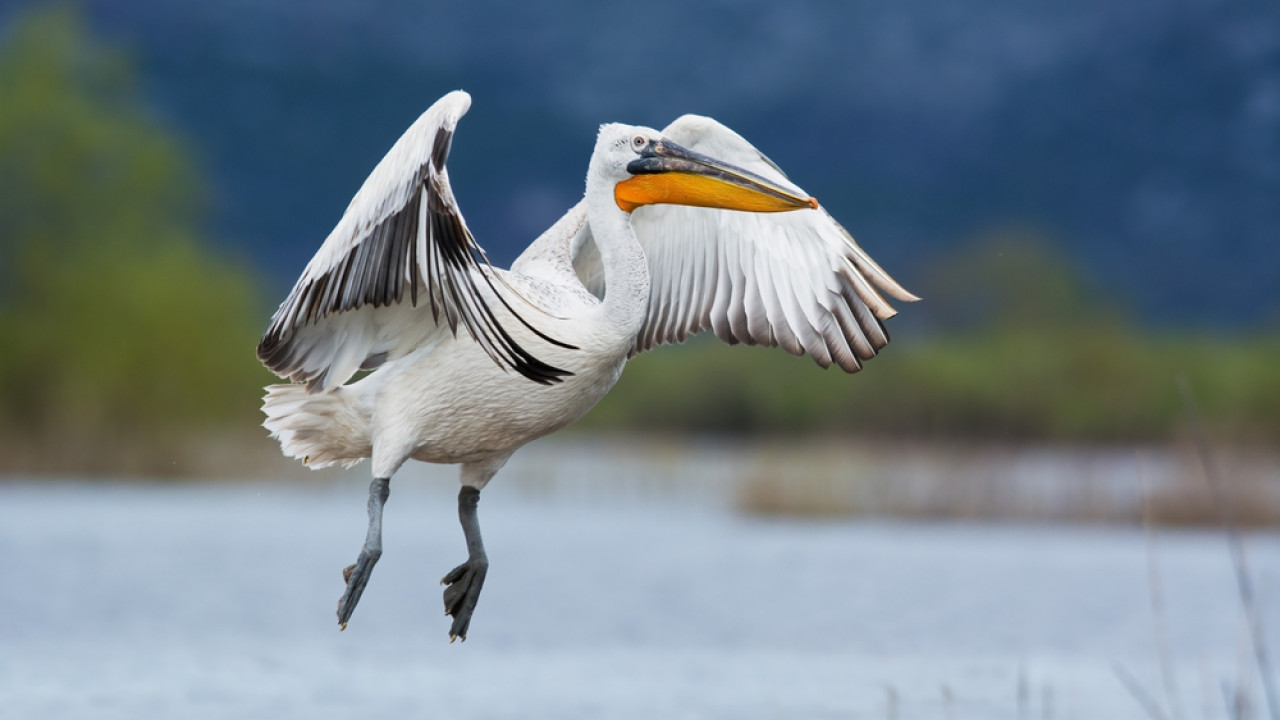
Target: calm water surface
(217, 601)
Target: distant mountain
(1144, 135)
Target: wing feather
(796, 280)
(403, 229)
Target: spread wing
(399, 268)
(790, 279)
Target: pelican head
(652, 169)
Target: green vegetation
(1023, 353)
(122, 335)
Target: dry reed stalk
(1239, 561)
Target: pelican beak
(668, 173)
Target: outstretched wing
(401, 235)
(790, 279)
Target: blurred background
(1086, 195)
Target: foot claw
(462, 590)
(455, 574)
(356, 577)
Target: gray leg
(464, 582)
(357, 576)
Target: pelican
(679, 231)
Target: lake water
(217, 601)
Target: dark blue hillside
(1144, 136)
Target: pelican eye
(638, 142)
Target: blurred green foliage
(120, 333)
(1020, 351)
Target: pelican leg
(465, 581)
(356, 576)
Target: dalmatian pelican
(679, 231)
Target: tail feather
(320, 429)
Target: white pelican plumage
(678, 232)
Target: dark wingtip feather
(440, 148)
